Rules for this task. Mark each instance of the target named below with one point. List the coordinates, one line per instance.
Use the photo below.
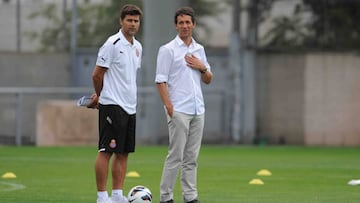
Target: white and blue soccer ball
(140, 194)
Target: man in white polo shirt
(114, 79)
(181, 67)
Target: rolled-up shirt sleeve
(163, 64)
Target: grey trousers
(185, 135)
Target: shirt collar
(181, 43)
(124, 40)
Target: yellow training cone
(133, 174)
(256, 182)
(264, 172)
(9, 175)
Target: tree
(333, 26)
(287, 32)
(95, 22)
(204, 8)
(259, 11)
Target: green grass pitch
(299, 174)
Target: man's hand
(193, 62)
(94, 102)
(169, 109)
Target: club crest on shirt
(137, 52)
(112, 143)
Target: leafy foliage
(95, 22)
(53, 37)
(263, 8)
(204, 8)
(321, 24)
(287, 32)
(335, 24)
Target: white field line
(12, 186)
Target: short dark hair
(185, 11)
(130, 9)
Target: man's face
(130, 24)
(184, 26)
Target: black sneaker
(194, 201)
(169, 201)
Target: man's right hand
(169, 109)
(94, 104)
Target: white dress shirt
(184, 83)
(122, 59)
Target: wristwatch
(203, 71)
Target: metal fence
(25, 98)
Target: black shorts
(116, 129)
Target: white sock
(117, 193)
(102, 195)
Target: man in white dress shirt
(181, 67)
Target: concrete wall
(280, 98)
(29, 70)
(53, 70)
(332, 100)
(62, 123)
(302, 99)
(37, 70)
(310, 99)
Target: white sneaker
(107, 200)
(119, 199)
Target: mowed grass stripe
(299, 174)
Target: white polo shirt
(122, 59)
(184, 83)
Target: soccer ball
(140, 194)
